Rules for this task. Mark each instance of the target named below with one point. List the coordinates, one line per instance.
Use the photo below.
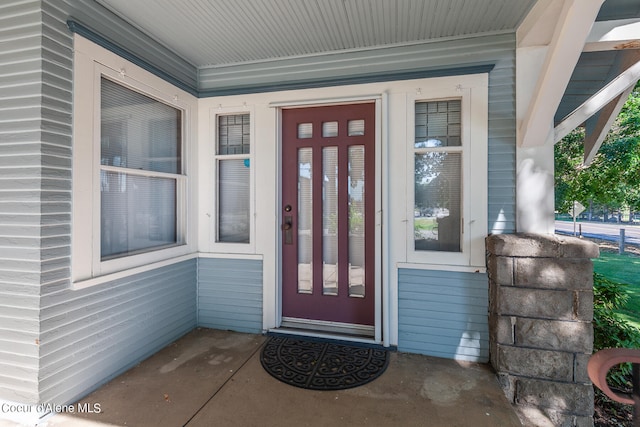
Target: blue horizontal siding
(21, 205)
(443, 314)
(91, 335)
(501, 145)
(230, 294)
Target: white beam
(573, 26)
(597, 127)
(601, 98)
(614, 35)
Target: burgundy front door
(328, 213)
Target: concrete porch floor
(214, 378)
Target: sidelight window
(233, 165)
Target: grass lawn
(424, 224)
(623, 268)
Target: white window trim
(91, 62)
(474, 104)
(224, 247)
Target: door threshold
(300, 332)
(327, 330)
(323, 326)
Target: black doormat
(322, 365)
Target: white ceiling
(211, 33)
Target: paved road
(601, 230)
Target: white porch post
(534, 163)
(534, 189)
(549, 43)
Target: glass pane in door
(356, 221)
(305, 220)
(330, 221)
(438, 191)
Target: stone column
(540, 321)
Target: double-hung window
(130, 183)
(141, 172)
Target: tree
(612, 180)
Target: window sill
(86, 283)
(226, 255)
(442, 267)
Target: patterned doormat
(322, 365)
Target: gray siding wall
(443, 314)
(56, 343)
(89, 336)
(502, 144)
(24, 217)
(230, 294)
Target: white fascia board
(562, 54)
(614, 35)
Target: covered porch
(212, 377)
(84, 301)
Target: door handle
(287, 227)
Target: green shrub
(609, 329)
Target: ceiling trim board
(375, 78)
(80, 29)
